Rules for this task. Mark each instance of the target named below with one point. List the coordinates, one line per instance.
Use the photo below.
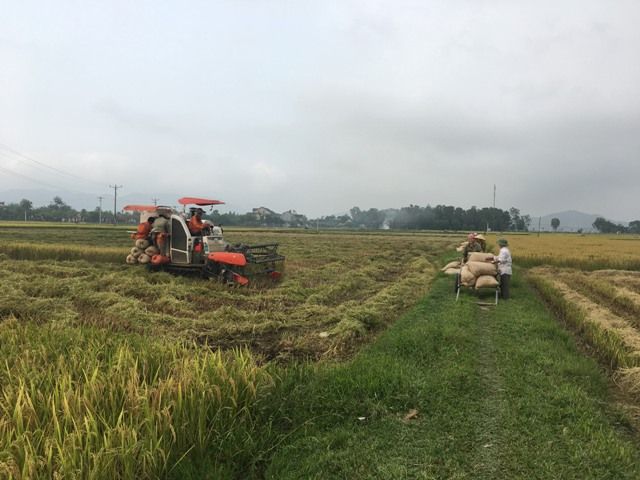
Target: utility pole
(155, 202)
(539, 222)
(100, 211)
(494, 195)
(115, 200)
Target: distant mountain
(570, 221)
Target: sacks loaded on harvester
(160, 260)
(141, 243)
(452, 271)
(486, 281)
(482, 268)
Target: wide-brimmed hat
(481, 237)
(502, 242)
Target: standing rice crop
(84, 404)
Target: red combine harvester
(208, 254)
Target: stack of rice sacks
(478, 272)
(142, 252)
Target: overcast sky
(320, 106)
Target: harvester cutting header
(166, 240)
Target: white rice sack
(482, 268)
(466, 277)
(135, 251)
(480, 257)
(144, 258)
(142, 243)
(486, 281)
(131, 260)
(152, 250)
(452, 271)
(449, 265)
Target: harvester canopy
(139, 208)
(201, 202)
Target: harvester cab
(207, 254)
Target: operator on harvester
(196, 225)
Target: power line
(22, 156)
(26, 177)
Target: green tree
(26, 206)
(555, 223)
(605, 226)
(634, 226)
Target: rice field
(581, 251)
(336, 289)
(112, 371)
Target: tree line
(605, 226)
(413, 217)
(59, 211)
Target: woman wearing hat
(504, 267)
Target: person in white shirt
(504, 267)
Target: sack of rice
(452, 271)
(141, 243)
(466, 277)
(135, 251)
(486, 281)
(480, 257)
(481, 268)
(144, 258)
(449, 265)
(160, 260)
(131, 259)
(152, 250)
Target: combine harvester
(208, 254)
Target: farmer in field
(160, 232)
(472, 246)
(504, 267)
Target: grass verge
(499, 393)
